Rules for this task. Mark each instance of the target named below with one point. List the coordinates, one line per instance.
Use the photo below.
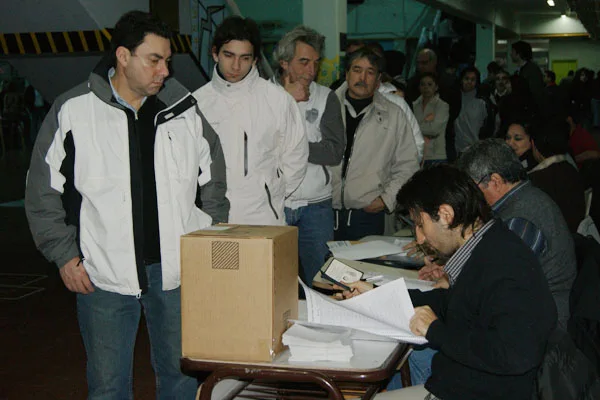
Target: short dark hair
(431, 187)
(473, 70)
(237, 28)
(523, 49)
(494, 67)
(429, 75)
(491, 156)
(551, 137)
(365, 52)
(131, 29)
(551, 75)
(394, 61)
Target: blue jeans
(315, 229)
(419, 362)
(109, 322)
(355, 224)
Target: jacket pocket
(270, 199)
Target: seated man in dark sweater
(554, 174)
(492, 324)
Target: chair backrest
(565, 373)
(584, 323)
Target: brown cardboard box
(239, 286)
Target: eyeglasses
(483, 178)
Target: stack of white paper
(384, 311)
(318, 344)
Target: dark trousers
(354, 224)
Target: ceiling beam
(483, 12)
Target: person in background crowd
(259, 124)
(298, 55)
(502, 90)
(470, 126)
(432, 114)
(554, 174)
(557, 97)
(488, 85)
(517, 137)
(531, 75)
(581, 96)
(118, 172)
(449, 92)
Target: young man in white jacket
(309, 208)
(259, 124)
(112, 186)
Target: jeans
(109, 322)
(356, 223)
(315, 229)
(419, 362)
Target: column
(485, 47)
(329, 19)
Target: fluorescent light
(551, 3)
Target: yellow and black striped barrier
(71, 42)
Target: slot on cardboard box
(239, 288)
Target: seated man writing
(491, 325)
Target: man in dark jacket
(531, 75)
(492, 323)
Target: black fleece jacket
(492, 325)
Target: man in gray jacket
(380, 156)
(527, 211)
(117, 171)
(298, 55)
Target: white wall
(585, 51)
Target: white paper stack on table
(384, 311)
(318, 344)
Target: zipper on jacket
(245, 154)
(271, 201)
(327, 173)
(349, 158)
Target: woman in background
(432, 114)
(518, 138)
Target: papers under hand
(384, 311)
(318, 343)
(375, 248)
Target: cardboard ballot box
(239, 287)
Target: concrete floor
(42, 354)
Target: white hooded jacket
(264, 142)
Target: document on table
(376, 248)
(384, 311)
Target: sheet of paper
(383, 311)
(423, 286)
(361, 251)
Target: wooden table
(367, 372)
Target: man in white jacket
(115, 173)
(259, 125)
(298, 55)
(380, 156)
